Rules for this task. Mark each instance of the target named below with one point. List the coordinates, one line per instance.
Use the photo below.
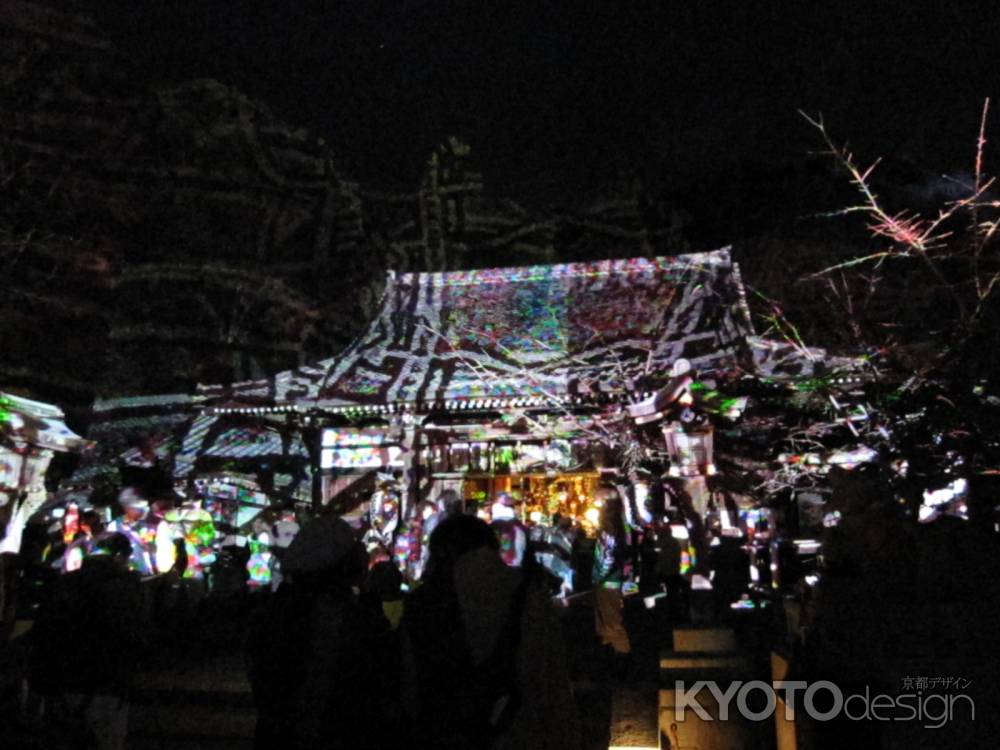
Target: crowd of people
(471, 655)
(439, 627)
(472, 658)
(165, 535)
(86, 642)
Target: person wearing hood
(315, 657)
(484, 664)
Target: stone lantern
(690, 451)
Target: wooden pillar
(312, 437)
(412, 437)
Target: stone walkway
(204, 704)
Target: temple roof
(24, 422)
(550, 331)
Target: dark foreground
(193, 692)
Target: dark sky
(552, 95)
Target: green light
(729, 404)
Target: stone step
(204, 704)
(691, 731)
(693, 661)
(705, 639)
(191, 722)
(786, 734)
(709, 654)
(188, 743)
(634, 717)
(181, 697)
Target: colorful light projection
(517, 332)
(547, 314)
(197, 528)
(513, 542)
(232, 501)
(73, 559)
(10, 470)
(247, 441)
(71, 523)
(383, 515)
(688, 556)
(260, 566)
(503, 457)
(407, 551)
(165, 554)
(142, 535)
(361, 457)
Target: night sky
(555, 96)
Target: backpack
(462, 704)
(495, 684)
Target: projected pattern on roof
(476, 333)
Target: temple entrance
(539, 496)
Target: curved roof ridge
(507, 274)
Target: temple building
(514, 379)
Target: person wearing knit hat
(315, 655)
(319, 546)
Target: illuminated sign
(349, 438)
(361, 457)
